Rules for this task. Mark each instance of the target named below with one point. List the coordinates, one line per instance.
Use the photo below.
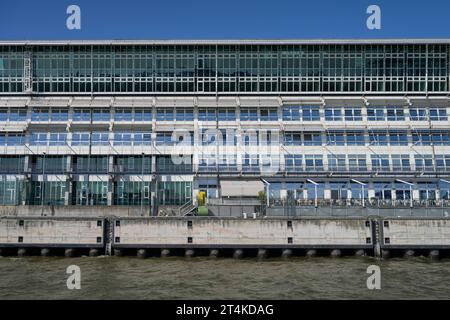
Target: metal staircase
(186, 208)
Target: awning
(241, 188)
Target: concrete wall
(73, 211)
(215, 232)
(50, 231)
(416, 233)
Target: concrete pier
(93, 252)
(69, 252)
(165, 253)
(45, 252)
(408, 253)
(238, 254)
(335, 253)
(434, 254)
(262, 254)
(141, 253)
(189, 253)
(311, 253)
(286, 253)
(213, 253)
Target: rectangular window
(333, 114)
(336, 138)
(60, 115)
(17, 115)
(353, 114)
(357, 162)
(206, 114)
(400, 162)
(395, 114)
(58, 138)
(269, 114)
(418, 114)
(313, 162)
(80, 139)
(423, 162)
(81, 115)
(291, 113)
(398, 138)
(375, 114)
(438, 114)
(293, 162)
(380, 162)
(38, 139)
(249, 114)
(40, 115)
(292, 139)
(312, 139)
(164, 114)
(142, 138)
(100, 115)
(184, 114)
(100, 138)
(122, 138)
(336, 162)
(378, 138)
(311, 113)
(355, 138)
(227, 114)
(124, 114)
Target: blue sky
(225, 19)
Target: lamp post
(362, 190)
(410, 190)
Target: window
(440, 138)
(16, 115)
(269, 114)
(292, 138)
(15, 139)
(164, 114)
(81, 115)
(443, 163)
(382, 190)
(249, 114)
(355, 138)
(357, 162)
(293, 162)
(39, 115)
(250, 162)
(438, 114)
(336, 138)
(336, 162)
(100, 115)
(417, 114)
(395, 114)
(424, 162)
(58, 139)
(313, 162)
(353, 114)
(378, 138)
(124, 114)
(227, 114)
(164, 139)
(4, 115)
(142, 138)
(375, 114)
(422, 138)
(38, 139)
(311, 113)
(80, 139)
(142, 114)
(291, 113)
(333, 114)
(380, 162)
(398, 138)
(207, 115)
(312, 139)
(100, 138)
(185, 114)
(122, 139)
(400, 162)
(60, 114)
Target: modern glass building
(152, 123)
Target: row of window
(14, 192)
(289, 113)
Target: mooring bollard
(69, 252)
(408, 253)
(45, 252)
(335, 253)
(262, 253)
(21, 252)
(360, 253)
(433, 254)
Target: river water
(223, 278)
